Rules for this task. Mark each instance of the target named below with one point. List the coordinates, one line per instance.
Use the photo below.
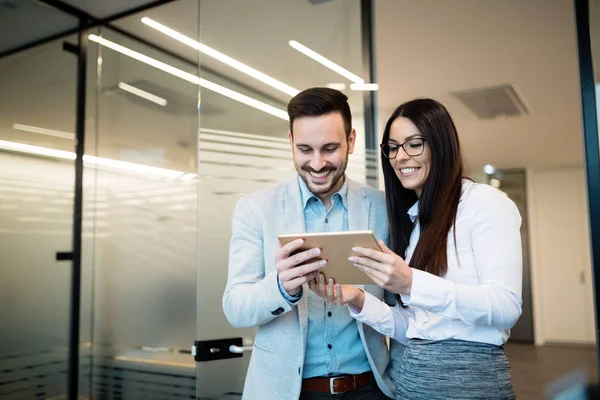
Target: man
(305, 348)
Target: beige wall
(563, 307)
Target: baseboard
(584, 345)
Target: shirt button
(329, 314)
(329, 346)
(326, 220)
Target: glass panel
(145, 241)
(24, 22)
(91, 213)
(514, 184)
(37, 106)
(243, 149)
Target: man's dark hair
(318, 101)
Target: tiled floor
(534, 368)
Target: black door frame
(75, 316)
(592, 145)
(367, 15)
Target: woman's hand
(337, 294)
(387, 269)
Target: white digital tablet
(336, 247)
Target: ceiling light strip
(191, 78)
(209, 51)
(43, 131)
(143, 94)
(367, 87)
(97, 161)
(42, 151)
(326, 62)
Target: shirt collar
(306, 194)
(413, 212)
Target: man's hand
(337, 294)
(294, 271)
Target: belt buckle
(331, 382)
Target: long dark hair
(439, 198)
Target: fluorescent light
(143, 94)
(42, 151)
(488, 169)
(221, 57)
(370, 87)
(325, 61)
(145, 59)
(43, 131)
(132, 167)
(337, 86)
(259, 105)
(94, 161)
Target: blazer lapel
(292, 215)
(358, 220)
(358, 208)
(292, 210)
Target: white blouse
(479, 299)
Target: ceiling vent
(493, 102)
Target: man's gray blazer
(252, 297)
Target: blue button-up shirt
(333, 345)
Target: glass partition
(145, 240)
(173, 138)
(37, 104)
(242, 147)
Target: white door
(559, 207)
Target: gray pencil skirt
(453, 369)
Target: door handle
(239, 349)
(64, 256)
(219, 349)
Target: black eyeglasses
(412, 147)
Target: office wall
(560, 256)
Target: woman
(459, 289)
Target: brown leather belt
(337, 384)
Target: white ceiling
(431, 48)
(427, 48)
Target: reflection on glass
(37, 102)
(242, 150)
(170, 147)
(144, 208)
